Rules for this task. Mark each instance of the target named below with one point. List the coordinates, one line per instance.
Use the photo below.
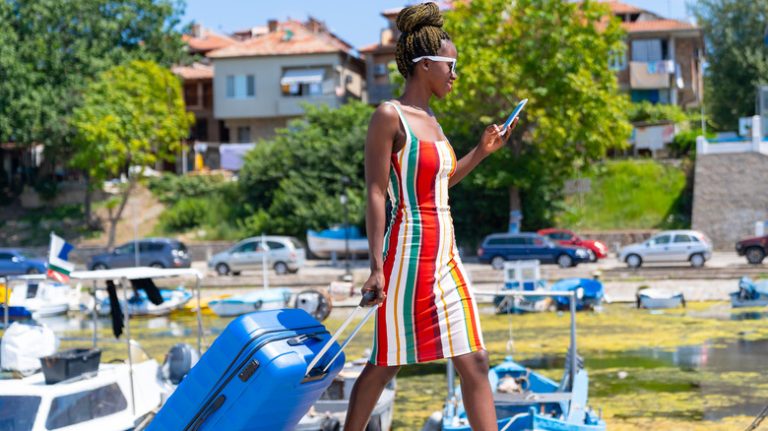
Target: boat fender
(257, 304)
(178, 361)
(330, 423)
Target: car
(596, 249)
(154, 252)
(753, 248)
(286, 255)
(14, 261)
(669, 246)
(500, 247)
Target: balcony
(653, 75)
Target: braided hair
(421, 33)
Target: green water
(696, 369)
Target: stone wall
(730, 194)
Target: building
(664, 58)
(379, 57)
(261, 81)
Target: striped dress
(430, 312)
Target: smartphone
(514, 114)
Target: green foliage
(294, 182)
(631, 194)
(170, 188)
(648, 112)
(186, 214)
(49, 49)
(556, 54)
(684, 143)
(132, 115)
(737, 56)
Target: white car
(285, 254)
(669, 246)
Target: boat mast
(127, 314)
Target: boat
(329, 412)
(39, 297)
(522, 275)
(140, 305)
(335, 240)
(527, 400)
(191, 307)
(750, 293)
(651, 298)
(75, 391)
(589, 293)
(259, 300)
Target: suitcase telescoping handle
(369, 297)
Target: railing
(754, 144)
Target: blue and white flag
(58, 266)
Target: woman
(426, 308)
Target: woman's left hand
(494, 137)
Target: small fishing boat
(651, 298)
(335, 240)
(140, 305)
(41, 298)
(750, 293)
(259, 300)
(329, 412)
(589, 293)
(522, 275)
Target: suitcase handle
(368, 297)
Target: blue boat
(259, 300)
(589, 293)
(140, 305)
(750, 293)
(336, 240)
(16, 312)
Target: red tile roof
(301, 41)
(657, 25)
(621, 8)
(207, 41)
(193, 71)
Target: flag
(58, 266)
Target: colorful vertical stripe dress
(430, 312)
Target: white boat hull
(323, 247)
(657, 303)
(737, 302)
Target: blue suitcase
(254, 376)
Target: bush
(170, 188)
(650, 113)
(684, 143)
(188, 213)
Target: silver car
(669, 246)
(285, 254)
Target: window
(248, 247)
(648, 50)
(683, 238)
(6, 256)
(663, 239)
(296, 243)
(302, 82)
(191, 96)
(243, 134)
(617, 60)
(653, 96)
(125, 249)
(73, 409)
(17, 413)
(241, 86)
(274, 245)
(149, 247)
(380, 69)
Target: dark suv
(154, 252)
(753, 248)
(500, 247)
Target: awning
(302, 76)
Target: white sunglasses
(438, 58)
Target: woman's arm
(490, 142)
(382, 132)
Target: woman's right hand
(375, 283)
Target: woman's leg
(476, 390)
(365, 394)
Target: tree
(50, 49)
(132, 117)
(556, 54)
(293, 182)
(737, 56)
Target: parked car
(154, 252)
(753, 248)
(596, 249)
(669, 246)
(286, 254)
(13, 261)
(500, 247)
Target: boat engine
(178, 361)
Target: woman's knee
(378, 375)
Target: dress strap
(408, 132)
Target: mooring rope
(758, 420)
